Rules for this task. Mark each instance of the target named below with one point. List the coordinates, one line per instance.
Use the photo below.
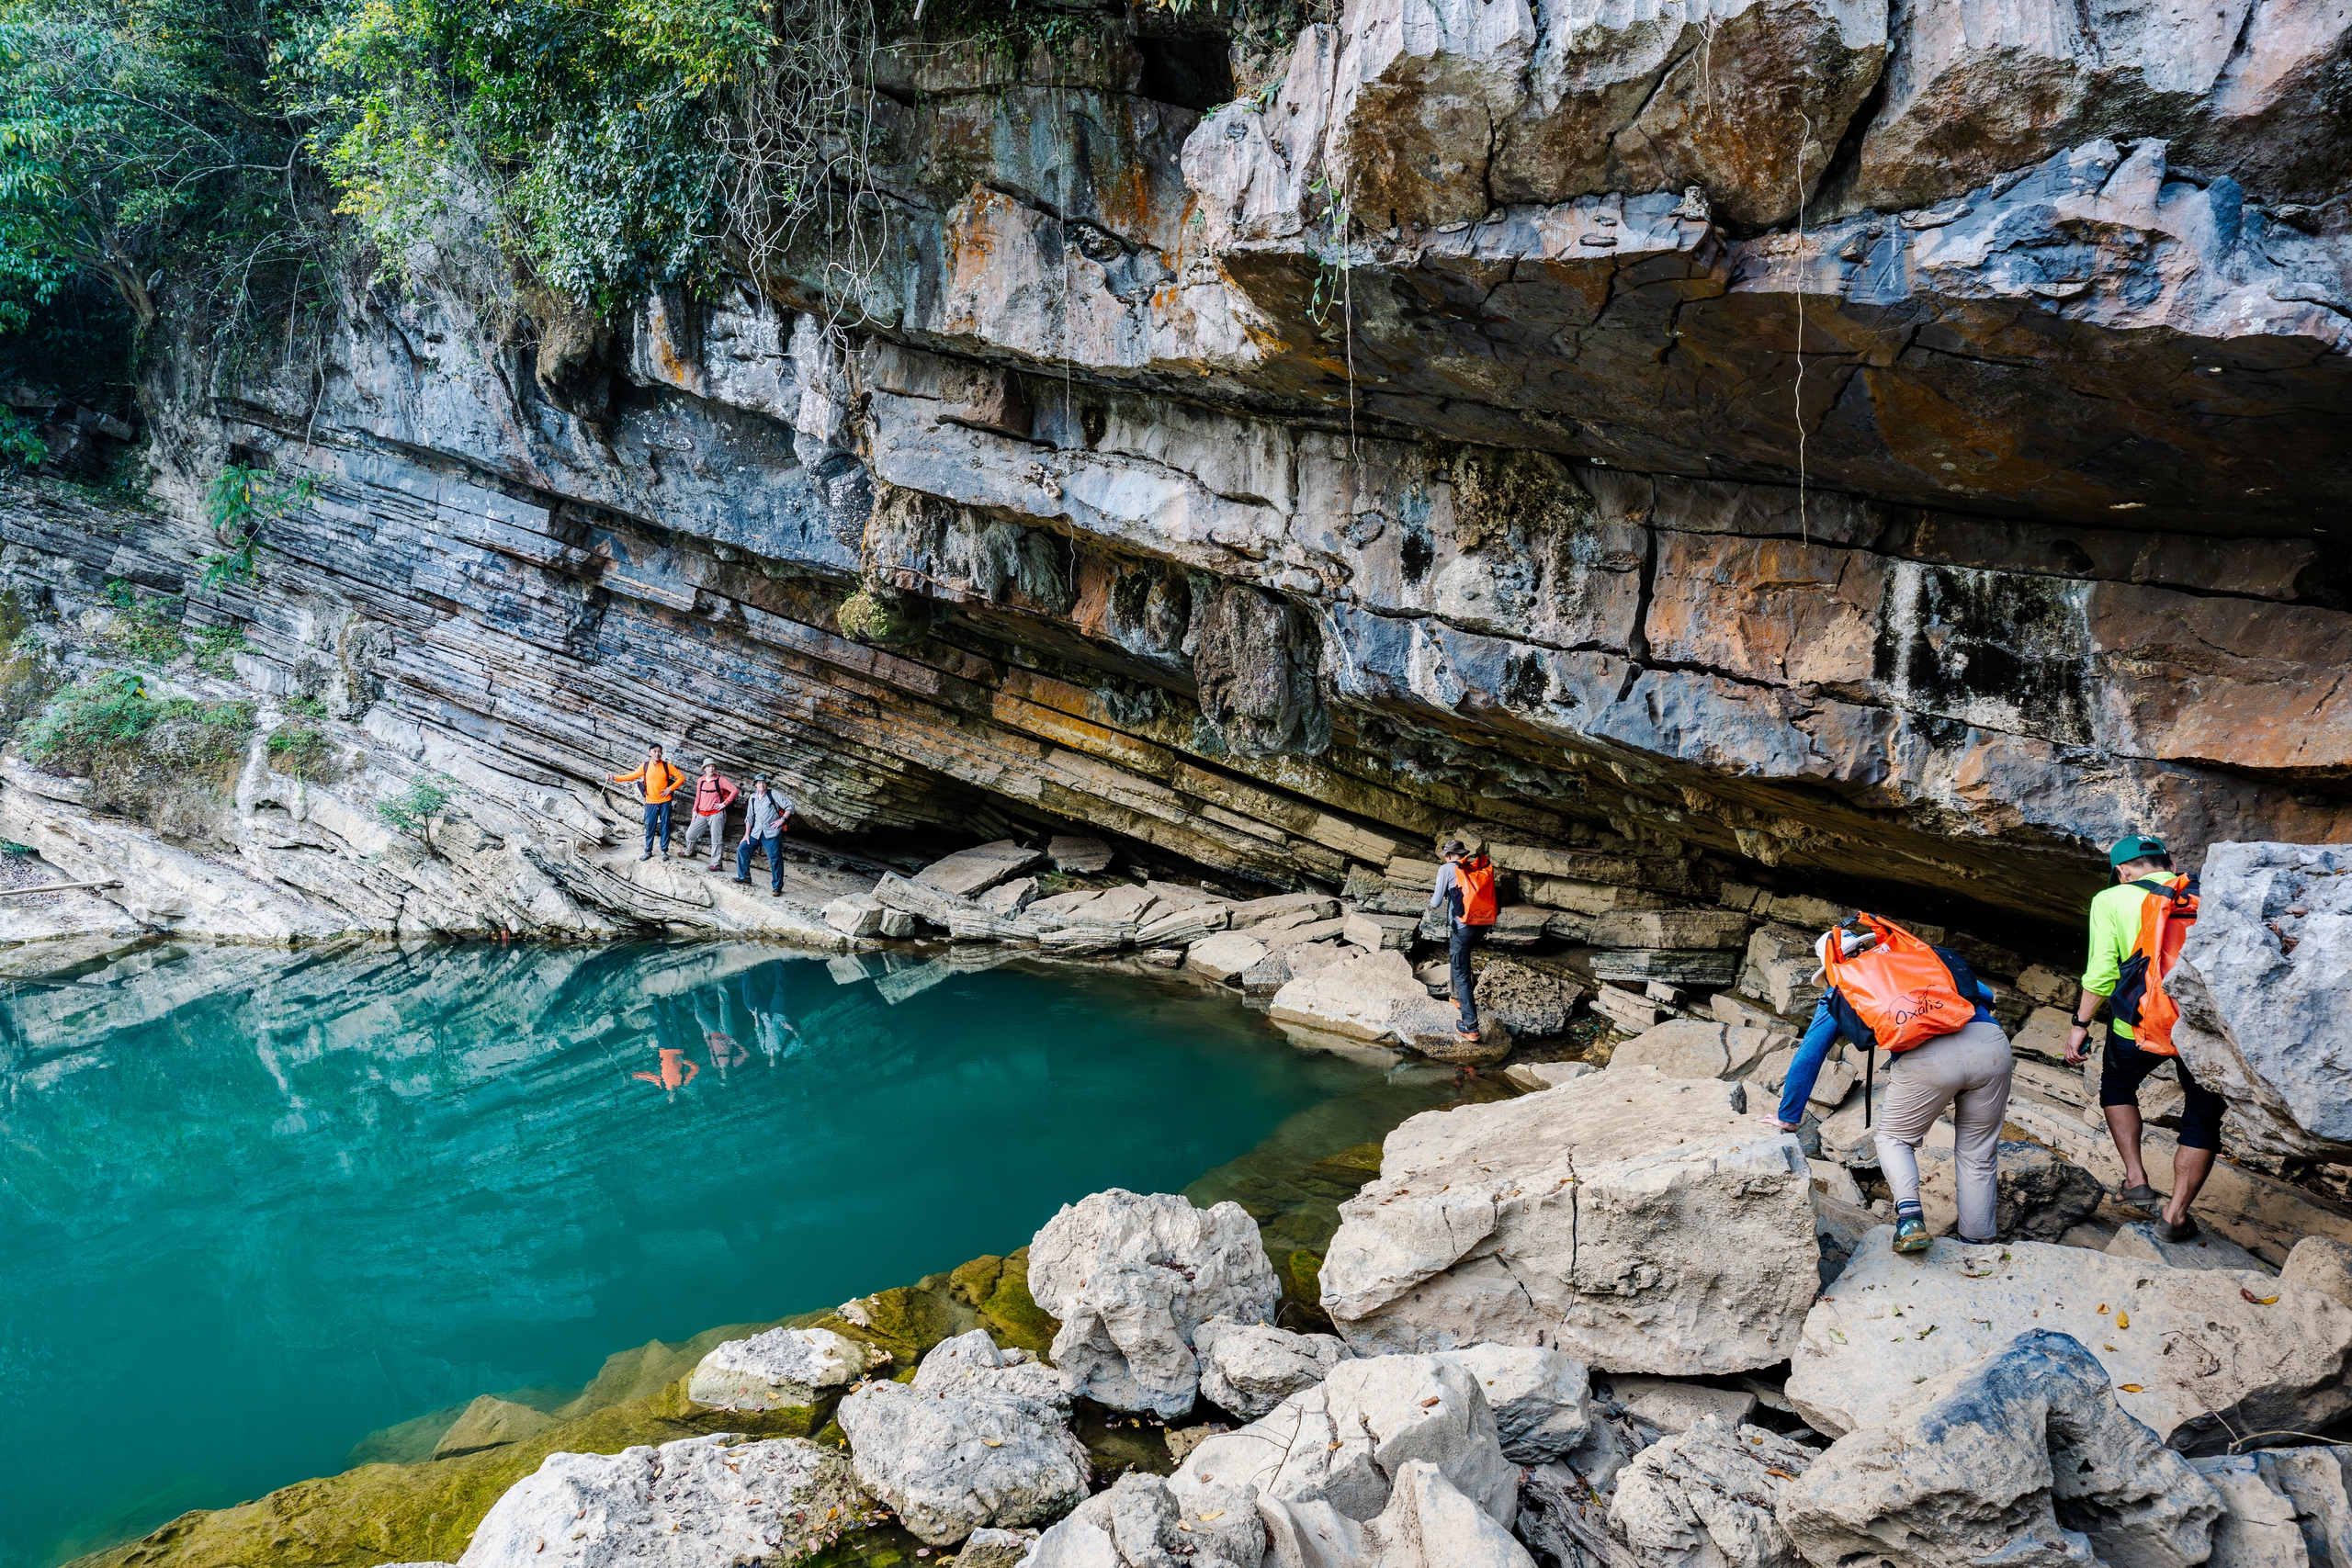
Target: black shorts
(2123, 1068)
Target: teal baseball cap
(2135, 846)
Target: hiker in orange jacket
(657, 783)
(714, 792)
(1466, 890)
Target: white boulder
(1249, 1367)
(1705, 1498)
(973, 1360)
(2261, 984)
(2198, 1354)
(950, 1459)
(2280, 1508)
(779, 1369)
(1131, 1277)
(855, 914)
(691, 1504)
(1636, 1222)
(1343, 1441)
(1542, 1399)
(2020, 1457)
(1374, 998)
(1141, 1522)
(1225, 956)
(1690, 1048)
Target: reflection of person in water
(762, 990)
(676, 1071)
(724, 1052)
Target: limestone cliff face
(1469, 428)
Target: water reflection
(263, 1204)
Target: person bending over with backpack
(2137, 927)
(1465, 887)
(1927, 1008)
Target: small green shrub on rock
(142, 628)
(302, 751)
(882, 616)
(412, 810)
(167, 761)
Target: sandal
(2186, 1230)
(2142, 1194)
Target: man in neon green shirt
(2123, 1065)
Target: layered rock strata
(1821, 435)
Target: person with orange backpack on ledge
(2137, 927)
(1928, 1009)
(1466, 886)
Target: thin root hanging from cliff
(1805, 528)
(799, 144)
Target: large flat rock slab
(1637, 1221)
(2198, 1354)
(967, 874)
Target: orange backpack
(1475, 876)
(2166, 915)
(1899, 988)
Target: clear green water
(255, 1206)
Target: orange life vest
(2166, 915)
(1900, 988)
(1475, 875)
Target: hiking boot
(776, 892)
(2142, 1194)
(1466, 1037)
(647, 855)
(740, 881)
(2182, 1229)
(1911, 1234)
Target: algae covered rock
(781, 1369)
(488, 1423)
(693, 1504)
(1131, 1277)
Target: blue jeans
(657, 821)
(1465, 1003)
(773, 845)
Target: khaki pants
(715, 824)
(1968, 1070)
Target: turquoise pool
(256, 1205)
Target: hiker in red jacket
(712, 795)
(1466, 890)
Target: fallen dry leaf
(2258, 1300)
(2122, 1319)
(1430, 1401)
(991, 1442)
(2130, 1387)
(1781, 1473)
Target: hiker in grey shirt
(765, 815)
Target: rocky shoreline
(1589, 1314)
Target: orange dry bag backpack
(1900, 988)
(1476, 875)
(2166, 915)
